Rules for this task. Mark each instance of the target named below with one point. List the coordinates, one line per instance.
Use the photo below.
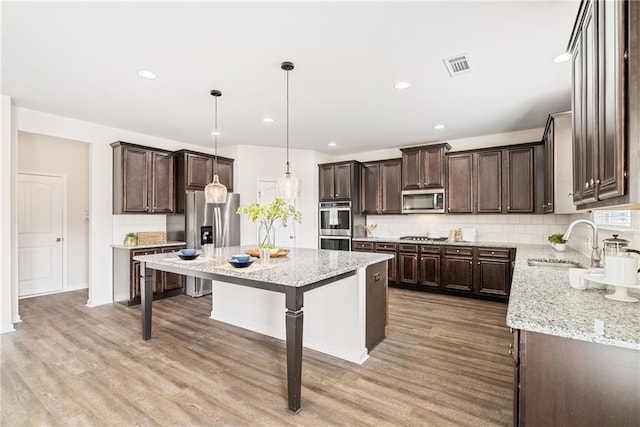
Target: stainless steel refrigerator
(209, 224)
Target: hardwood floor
(444, 362)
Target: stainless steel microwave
(423, 201)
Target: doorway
(285, 237)
(41, 219)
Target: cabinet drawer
(430, 249)
(386, 247)
(408, 248)
(362, 246)
(494, 253)
(456, 250)
(138, 252)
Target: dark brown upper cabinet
(424, 167)
(339, 181)
(381, 187)
(495, 180)
(460, 194)
(143, 179)
(520, 184)
(489, 181)
(194, 171)
(605, 45)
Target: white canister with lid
(613, 246)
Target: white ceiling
(80, 60)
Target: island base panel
(294, 321)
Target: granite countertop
(300, 267)
(156, 245)
(434, 242)
(541, 299)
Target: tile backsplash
(511, 228)
(123, 224)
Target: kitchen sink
(552, 263)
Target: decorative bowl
(187, 252)
(240, 264)
(241, 257)
(187, 257)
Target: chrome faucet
(595, 257)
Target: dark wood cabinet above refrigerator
(194, 171)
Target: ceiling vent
(458, 64)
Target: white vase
(560, 247)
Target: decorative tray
(256, 252)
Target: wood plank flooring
(444, 363)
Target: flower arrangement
(266, 216)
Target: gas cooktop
(424, 238)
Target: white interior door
(40, 227)
(285, 237)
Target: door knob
(58, 239)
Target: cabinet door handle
(478, 262)
(458, 250)
(510, 349)
(471, 263)
(146, 208)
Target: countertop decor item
(369, 229)
(131, 239)
(215, 192)
(558, 242)
(266, 216)
(278, 253)
(152, 237)
(288, 185)
(241, 264)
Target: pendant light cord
(215, 136)
(287, 121)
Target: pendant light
(215, 192)
(288, 185)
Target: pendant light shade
(288, 186)
(215, 192)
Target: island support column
(294, 317)
(146, 298)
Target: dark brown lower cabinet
(567, 382)
(408, 264)
(458, 268)
(493, 272)
(126, 276)
(429, 266)
(471, 270)
(390, 248)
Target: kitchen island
(344, 294)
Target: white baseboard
(6, 328)
(77, 287)
(98, 302)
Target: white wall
(269, 163)
(46, 154)
(100, 225)
(7, 171)
(494, 140)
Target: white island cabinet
(344, 296)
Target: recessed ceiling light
(216, 133)
(402, 85)
(562, 57)
(439, 126)
(146, 74)
(267, 120)
(332, 144)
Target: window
(613, 220)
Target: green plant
(131, 238)
(267, 215)
(557, 238)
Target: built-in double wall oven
(335, 225)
